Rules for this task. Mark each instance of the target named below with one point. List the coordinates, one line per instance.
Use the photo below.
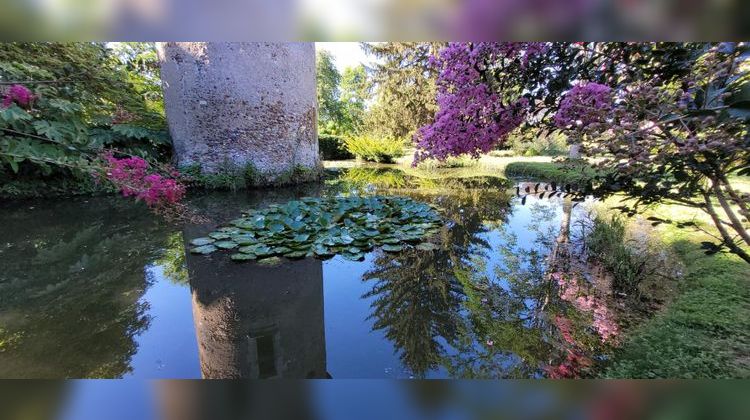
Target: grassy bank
(705, 331)
(549, 171)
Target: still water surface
(98, 287)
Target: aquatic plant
(324, 227)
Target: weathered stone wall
(230, 104)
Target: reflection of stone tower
(255, 321)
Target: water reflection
(99, 288)
(255, 321)
(73, 273)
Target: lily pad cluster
(324, 227)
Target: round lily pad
(202, 241)
(225, 244)
(204, 249)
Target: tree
(328, 80)
(405, 87)
(679, 142)
(356, 92)
(671, 118)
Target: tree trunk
(248, 107)
(734, 221)
(724, 234)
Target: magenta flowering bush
(134, 177)
(18, 94)
(473, 115)
(585, 104)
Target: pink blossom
(19, 94)
(583, 105)
(472, 118)
(132, 177)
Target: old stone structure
(242, 106)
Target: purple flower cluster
(472, 118)
(585, 104)
(18, 94)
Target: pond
(98, 287)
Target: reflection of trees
(417, 297)
(70, 287)
(416, 302)
(173, 260)
(535, 329)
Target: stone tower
(242, 105)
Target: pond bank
(705, 331)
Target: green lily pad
(225, 244)
(262, 250)
(323, 227)
(301, 238)
(244, 239)
(270, 261)
(296, 254)
(353, 256)
(202, 241)
(204, 249)
(219, 235)
(392, 248)
(242, 257)
(276, 227)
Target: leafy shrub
(538, 143)
(375, 149)
(463, 161)
(62, 104)
(628, 263)
(333, 147)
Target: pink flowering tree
(670, 119)
(675, 143)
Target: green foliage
(86, 99)
(535, 142)
(375, 149)
(342, 99)
(406, 91)
(333, 147)
(328, 80)
(629, 266)
(356, 91)
(575, 173)
(349, 226)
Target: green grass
(705, 331)
(564, 173)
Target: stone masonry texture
(230, 104)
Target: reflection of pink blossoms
(132, 177)
(575, 361)
(18, 94)
(583, 105)
(573, 292)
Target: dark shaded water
(99, 287)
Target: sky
(346, 54)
